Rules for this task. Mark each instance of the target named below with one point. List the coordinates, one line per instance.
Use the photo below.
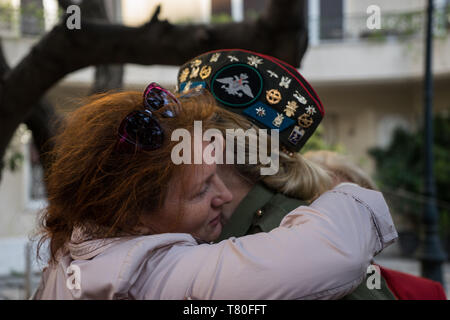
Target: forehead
(188, 178)
(197, 173)
(191, 178)
(188, 181)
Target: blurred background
(371, 82)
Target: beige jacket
(318, 252)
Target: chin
(215, 233)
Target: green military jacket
(262, 210)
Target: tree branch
(156, 14)
(107, 76)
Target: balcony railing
(393, 25)
(29, 20)
(32, 20)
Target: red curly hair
(90, 184)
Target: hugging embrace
(125, 222)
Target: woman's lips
(215, 221)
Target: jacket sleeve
(320, 251)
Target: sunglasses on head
(140, 130)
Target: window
(220, 7)
(331, 19)
(32, 21)
(237, 9)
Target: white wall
(136, 12)
(369, 61)
(18, 212)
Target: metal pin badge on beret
(266, 90)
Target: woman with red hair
(124, 222)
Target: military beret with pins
(269, 92)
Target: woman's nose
(227, 196)
(224, 194)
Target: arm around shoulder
(319, 252)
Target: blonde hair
(296, 177)
(341, 168)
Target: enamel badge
(273, 96)
(278, 120)
(290, 108)
(296, 134)
(215, 57)
(187, 86)
(194, 72)
(299, 97)
(196, 63)
(272, 74)
(254, 61)
(237, 85)
(310, 110)
(285, 82)
(260, 112)
(205, 72)
(305, 120)
(184, 74)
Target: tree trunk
(107, 77)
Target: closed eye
(205, 187)
(203, 191)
